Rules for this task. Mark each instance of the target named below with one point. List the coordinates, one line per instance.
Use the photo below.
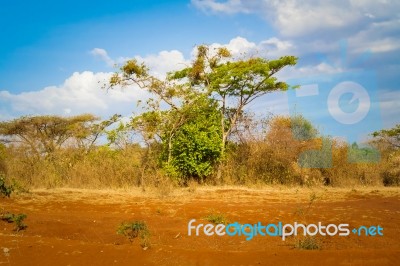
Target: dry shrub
(343, 173)
(3, 155)
(278, 159)
(272, 160)
(391, 173)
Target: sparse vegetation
(5, 190)
(216, 218)
(303, 212)
(307, 243)
(136, 229)
(18, 219)
(270, 156)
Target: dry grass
(254, 162)
(307, 243)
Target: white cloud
(229, 7)
(241, 48)
(276, 103)
(83, 93)
(378, 37)
(164, 62)
(390, 106)
(102, 55)
(80, 93)
(300, 18)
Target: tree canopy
(45, 134)
(391, 136)
(229, 84)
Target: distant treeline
(52, 151)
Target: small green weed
(18, 219)
(136, 229)
(5, 190)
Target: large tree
(215, 74)
(233, 82)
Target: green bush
(196, 145)
(5, 190)
(18, 219)
(135, 229)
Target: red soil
(78, 227)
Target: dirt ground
(78, 227)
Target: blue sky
(54, 54)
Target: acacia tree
(214, 74)
(165, 112)
(45, 134)
(173, 104)
(233, 82)
(390, 136)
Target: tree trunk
(220, 164)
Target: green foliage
(302, 128)
(362, 154)
(19, 224)
(318, 158)
(15, 218)
(191, 143)
(240, 80)
(195, 148)
(135, 229)
(5, 190)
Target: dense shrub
(292, 152)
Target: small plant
(313, 198)
(307, 243)
(303, 212)
(19, 222)
(216, 218)
(5, 190)
(18, 219)
(136, 229)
